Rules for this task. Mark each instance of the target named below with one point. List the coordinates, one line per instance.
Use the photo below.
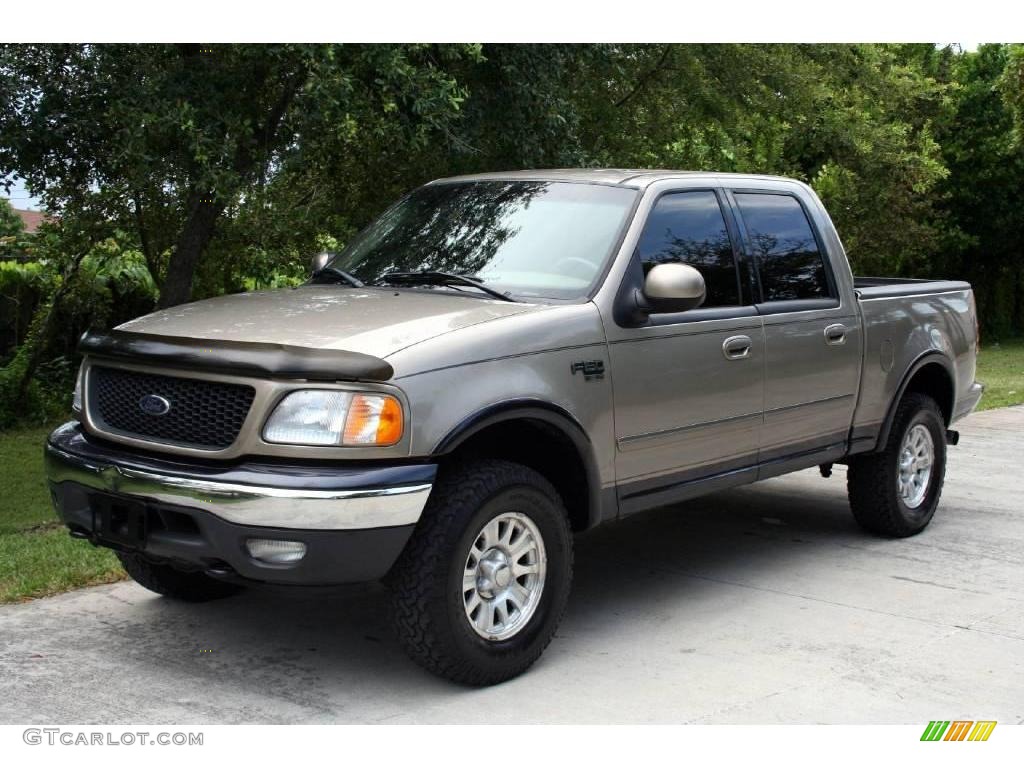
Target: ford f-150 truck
(496, 363)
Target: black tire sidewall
(175, 583)
(918, 517)
(523, 646)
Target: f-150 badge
(591, 369)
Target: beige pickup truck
(496, 363)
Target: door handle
(835, 334)
(736, 347)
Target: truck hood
(373, 321)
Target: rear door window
(784, 247)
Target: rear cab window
(785, 250)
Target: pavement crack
(940, 586)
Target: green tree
(981, 197)
(11, 224)
(1011, 83)
(12, 231)
(168, 141)
(855, 121)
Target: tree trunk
(204, 210)
(206, 206)
(149, 251)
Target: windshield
(529, 238)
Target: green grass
(24, 499)
(1001, 370)
(37, 557)
(45, 561)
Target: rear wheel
(190, 586)
(895, 492)
(483, 583)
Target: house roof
(31, 219)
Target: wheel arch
(504, 429)
(930, 374)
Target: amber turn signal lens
(373, 420)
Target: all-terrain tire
(872, 479)
(166, 580)
(427, 587)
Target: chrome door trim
(805, 403)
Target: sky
(20, 197)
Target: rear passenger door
(812, 335)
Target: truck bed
(904, 320)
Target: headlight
(329, 417)
(76, 399)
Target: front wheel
(895, 492)
(483, 583)
(166, 580)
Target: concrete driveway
(760, 605)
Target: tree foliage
(982, 148)
(11, 224)
(169, 141)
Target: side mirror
(320, 260)
(674, 288)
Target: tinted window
(533, 238)
(784, 247)
(688, 227)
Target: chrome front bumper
(317, 497)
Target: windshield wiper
(428, 277)
(331, 274)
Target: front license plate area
(119, 521)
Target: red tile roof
(31, 219)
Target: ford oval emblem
(154, 405)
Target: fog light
(276, 551)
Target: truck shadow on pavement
(304, 647)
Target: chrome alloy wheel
(504, 576)
(917, 454)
